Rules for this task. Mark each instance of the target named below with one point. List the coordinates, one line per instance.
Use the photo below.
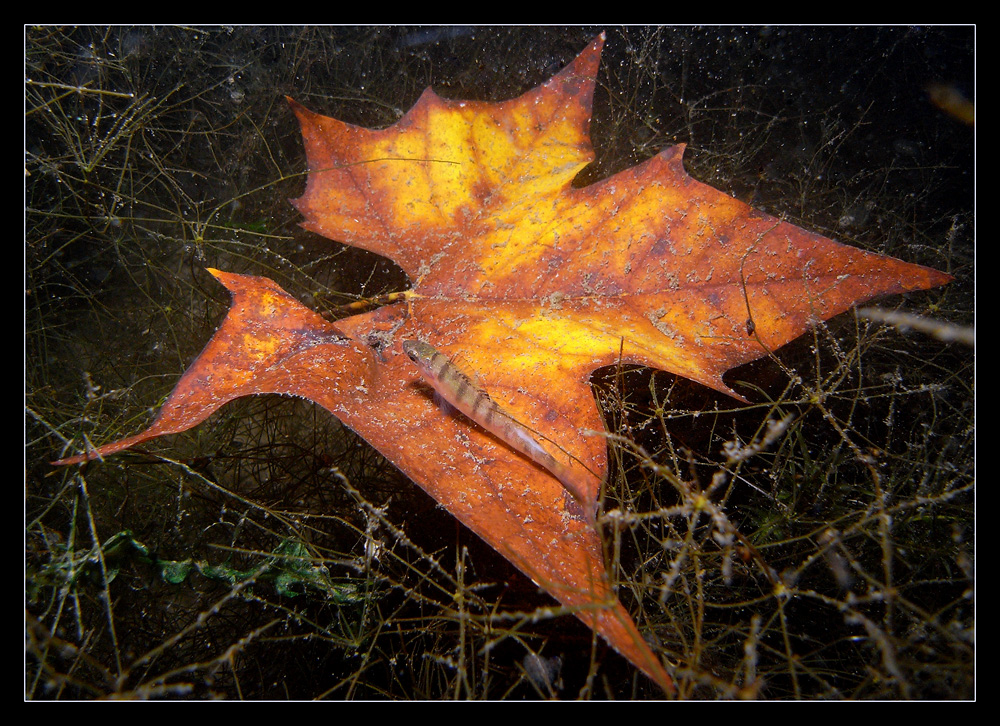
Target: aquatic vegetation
(844, 411)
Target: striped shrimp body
(459, 391)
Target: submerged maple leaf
(535, 284)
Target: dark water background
(153, 153)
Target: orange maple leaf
(534, 284)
